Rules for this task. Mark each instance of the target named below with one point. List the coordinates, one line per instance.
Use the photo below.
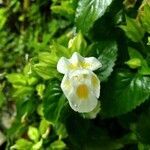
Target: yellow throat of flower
(82, 91)
(84, 65)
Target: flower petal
(95, 82)
(76, 57)
(66, 85)
(76, 60)
(92, 63)
(88, 77)
(63, 65)
(80, 105)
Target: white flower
(77, 62)
(80, 85)
(82, 88)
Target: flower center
(85, 65)
(82, 91)
(78, 64)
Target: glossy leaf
(88, 11)
(126, 92)
(53, 101)
(106, 52)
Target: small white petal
(66, 85)
(95, 82)
(76, 60)
(63, 65)
(92, 63)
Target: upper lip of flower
(77, 62)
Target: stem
(26, 4)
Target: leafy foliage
(95, 9)
(133, 30)
(107, 52)
(35, 34)
(126, 91)
(144, 15)
(143, 128)
(52, 101)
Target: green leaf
(17, 78)
(17, 129)
(53, 101)
(66, 9)
(38, 145)
(58, 145)
(143, 127)
(148, 43)
(84, 135)
(78, 44)
(48, 58)
(22, 144)
(23, 91)
(107, 55)
(44, 128)
(27, 69)
(45, 71)
(134, 54)
(61, 130)
(126, 92)
(133, 29)
(31, 80)
(40, 89)
(144, 16)
(33, 133)
(142, 146)
(27, 106)
(88, 11)
(59, 50)
(2, 18)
